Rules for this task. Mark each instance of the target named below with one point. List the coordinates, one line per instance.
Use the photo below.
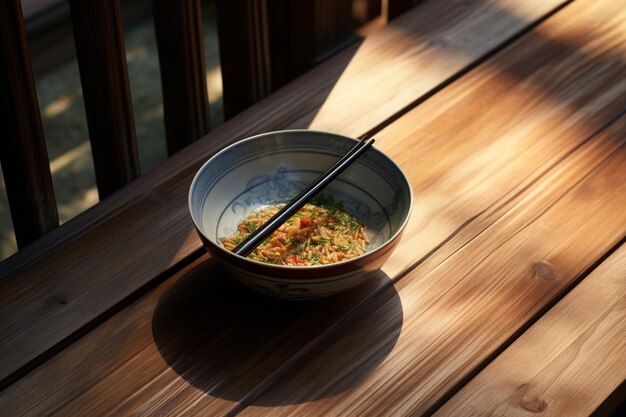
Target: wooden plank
(567, 363)
(459, 315)
(461, 308)
(99, 39)
(23, 152)
(150, 215)
(399, 53)
(252, 343)
(178, 27)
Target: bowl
(272, 168)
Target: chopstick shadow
(234, 344)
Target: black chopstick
(259, 235)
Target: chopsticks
(252, 241)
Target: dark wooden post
(334, 27)
(396, 7)
(178, 27)
(244, 52)
(23, 149)
(264, 44)
(101, 56)
(292, 39)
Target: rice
(318, 234)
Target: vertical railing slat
(244, 53)
(397, 7)
(99, 39)
(266, 43)
(23, 152)
(178, 27)
(334, 27)
(292, 39)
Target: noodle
(315, 235)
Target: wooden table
(506, 296)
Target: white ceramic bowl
(272, 168)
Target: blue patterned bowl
(272, 168)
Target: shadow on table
(232, 343)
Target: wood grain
(429, 48)
(126, 354)
(567, 363)
(497, 173)
(456, 329)
(461, 313)
(63, 283)
(483, 139)
(25, 165)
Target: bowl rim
(264, 265)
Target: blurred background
(53, 56)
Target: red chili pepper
(306, 222)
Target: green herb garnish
(251, 227)
(344, 218)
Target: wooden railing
(23, 150)
(264, 44)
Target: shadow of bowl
(227, 340)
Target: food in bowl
(319, 233)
